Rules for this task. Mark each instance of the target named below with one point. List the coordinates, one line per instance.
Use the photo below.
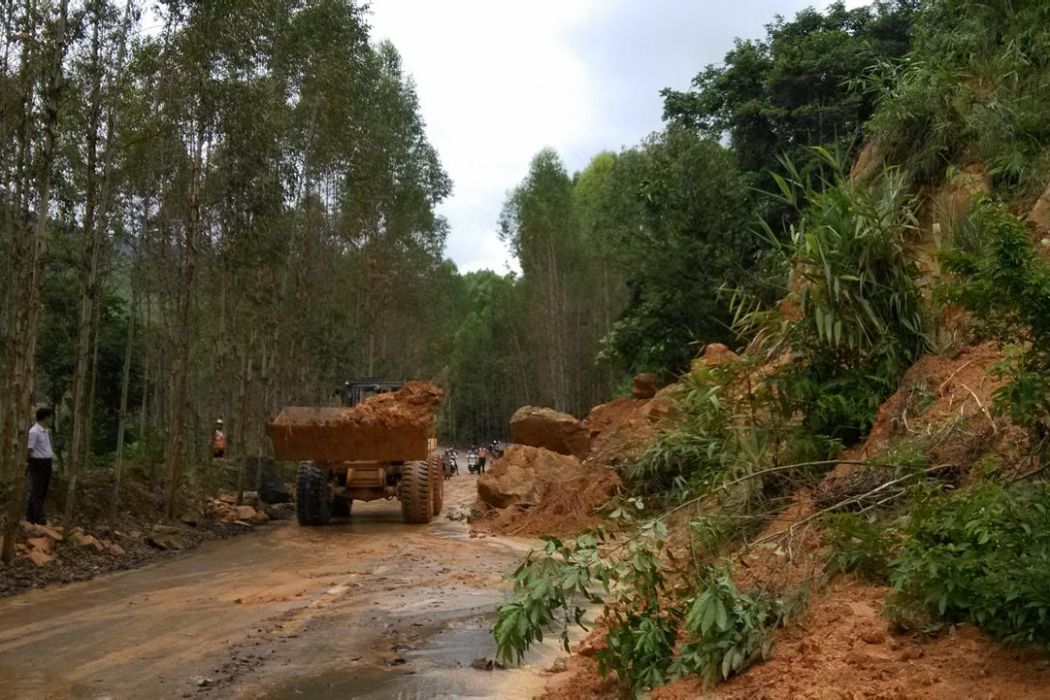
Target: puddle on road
(439, 667)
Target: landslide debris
(535, 490)
(550, 429)
(943, 409)
(521, 475)
(843, 646)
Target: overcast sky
(498, 80)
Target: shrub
(859, 544)
(858, 319)
(972, 88)
(728, 630)
(1005, 284)
(553, 580)
(724, 629)
(981, 556)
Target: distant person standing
(483, 454)
(218, 441)
(40, 457)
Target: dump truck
(378, 444)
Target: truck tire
(342, 507)
(313, 503)
(416, 494)
(436, 474)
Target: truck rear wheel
(416, 494)
(313, 502)
(436, 474)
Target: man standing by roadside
(40, 456)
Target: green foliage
(728, 631)
(565, 286)
(973, 87)
(642, 619)
(483, 358)
(725, 630)
(680, 235)
(857, 321)
(1005, 284)
(694, 450)
(548, 582)
(981, 556)
(860, 544)
(793, 89)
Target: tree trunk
(96, 205)
(23, 347)
(125, 380)
(244, 421)
(184, 330)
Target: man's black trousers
(39, 480)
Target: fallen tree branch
(845, 502)
(781, 468)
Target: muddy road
(364, 608)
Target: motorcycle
(473, 465)
(450, 465)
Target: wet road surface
(363, 608)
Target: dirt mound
(1039, 216)
(563, 507)
(534, 491)
(414, 404)
(519, 475)
(623, 429)
(942, 408)
(618, 432)
(391, 426)
(843, 647)
(550, 429)
(716, 354)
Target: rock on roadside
(518, 476)
(550, 429)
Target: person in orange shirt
(218, 441)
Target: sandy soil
(364, 608)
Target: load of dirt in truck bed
(384, 427)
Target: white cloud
(500, 79)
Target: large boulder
(645, 386)
(716, 354)
(522, 474)
(550, 429)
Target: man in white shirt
(40, 456)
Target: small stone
(873, 636)
(40, 558)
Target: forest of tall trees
(211, 209)
(217, 209)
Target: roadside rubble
(561, 470)
(48, 554)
